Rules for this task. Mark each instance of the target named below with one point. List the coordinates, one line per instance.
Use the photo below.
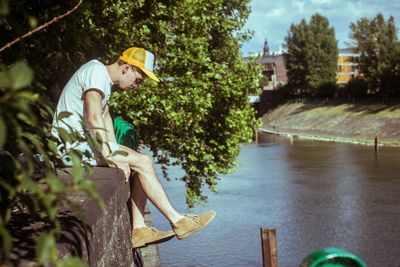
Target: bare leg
(149, 182)
(138, 202)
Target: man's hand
(126, 169)
(123, 166)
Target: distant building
(273, 68)
(348, 67)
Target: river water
(316, 195)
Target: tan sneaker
(144, 236)
(190, 224)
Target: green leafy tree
(311, 57)
(199, 114)
(377, 42)
(296, 58)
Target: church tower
(266, 48)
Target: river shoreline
(292, 135)
(347, 123)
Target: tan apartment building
(348, 67)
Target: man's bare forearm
(109, 125)
(93, 115)
(100, 133)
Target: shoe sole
(164, 239)
(157, 241)
(186, 235)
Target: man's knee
(145, 160)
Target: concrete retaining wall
(102, 240)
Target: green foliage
(46, 249)
(72, 262)
(264, 81)
(326, 90)
(19, 76)
(356, 88)
(390, 78)
(377, 42)
(311, 57)
(296, 56)
(28, 185)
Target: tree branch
(41, 27)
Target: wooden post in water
(256, 134)
(376, 144)
(269, 248)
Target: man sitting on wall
(86, 96)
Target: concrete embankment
(102, 238)
(352, 123)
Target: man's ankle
(138, 226)
(176, 218)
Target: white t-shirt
(90, 75)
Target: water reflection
(316, 194)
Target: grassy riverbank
(353, 123)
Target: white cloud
(299, 5)
(275, 13)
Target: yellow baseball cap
(142, 59)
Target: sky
(271, 19)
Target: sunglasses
(136, 71)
